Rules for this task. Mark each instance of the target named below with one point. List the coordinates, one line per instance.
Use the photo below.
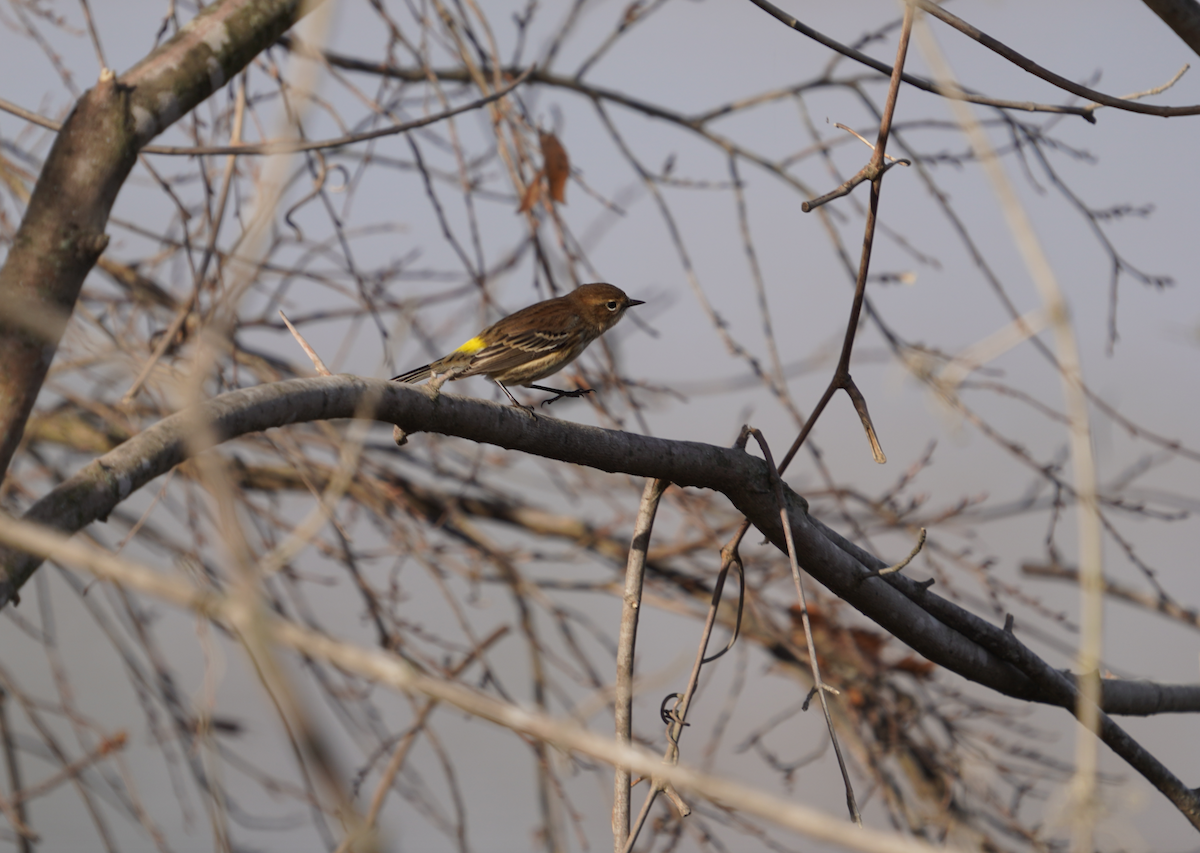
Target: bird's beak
(633, 302)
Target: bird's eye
(613, 305)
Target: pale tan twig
(635, 572)
(897, 567)
(676, 716)
(393, 670)
(866, 141)
(400, 753)
(911, 554)
(1083, 787)
(1156, 90)
(318, 365)
(993, 346)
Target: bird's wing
(514, 350)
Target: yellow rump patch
(472, 346)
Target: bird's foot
(559, 394)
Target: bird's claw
(578, 392)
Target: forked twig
(860, 406)
(868, 172)
(841, 374)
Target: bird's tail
(416, 375)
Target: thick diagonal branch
(938, 629)
(62, 232)
(933, 626)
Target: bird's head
(602, 304)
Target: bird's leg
(508, 394)
(558, 395)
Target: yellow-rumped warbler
(534, 342)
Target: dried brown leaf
(556, 165)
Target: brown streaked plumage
(535, 342)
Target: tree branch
(938, 629)
(62, 232)
(1183, 16)
(1026, 64)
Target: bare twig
(898, 567)
(841, 374)
(293, 146)
(1158, 603)
(911, 554)
(14, 810)
(917, 82)
(1153, 90)
(867, 142)
(818, 684)
(626, 641)
(866, 173)
(1054, 306)
(400, 753)
(1099, 99)
(102, 751)
(93, 34)
(318, 365)
(391, 669)
(860, 407)
(675, 717)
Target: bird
(532, 343)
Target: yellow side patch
(472, 346)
